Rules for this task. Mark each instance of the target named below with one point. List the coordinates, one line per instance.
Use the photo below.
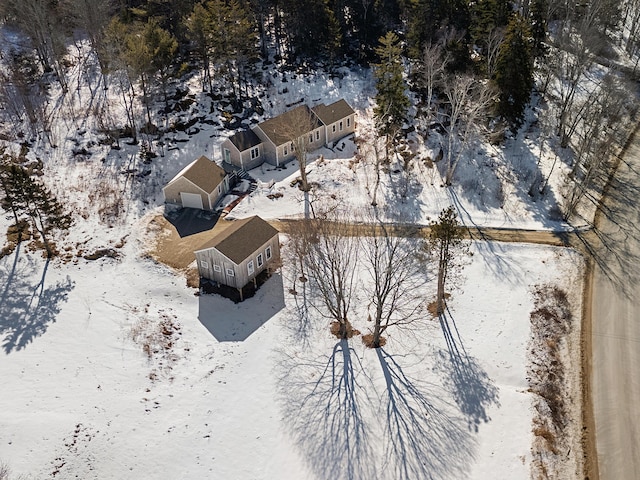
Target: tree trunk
(442, 268)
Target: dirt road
(615, 380)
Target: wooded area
(466, 67)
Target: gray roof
(240, 240)
(289, 125)
(245, 140)
(204, 173)
(332, 113)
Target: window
(311, 138)
(216, 268)
(250, 267)
(267, 252)
(333, 128)
(219, 188)
(317, 135)
(348, 122)
(230, 272)
(227, 155)
(255, 152)
(259, 260)
(204, 264)
(286, 151)
(340, 125)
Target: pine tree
(24, 195)
(314, 31)
(198, 32)
(514, 72)
(163, 47)
(486, 16)
(446, 243)
(426, 19)
(392, 103)
(225, 37)
(12, 183)
(538, 18)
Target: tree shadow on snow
(613, 243)
(325, 402)
(479, 180)
(421, 439)
(27, 306)
(229, 322)
(402, 196)
(348, 428)
(472, 388)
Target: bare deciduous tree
(469, 101)
(431, 68)
(298, 127)
(329, 255)
(597, 130)
(373, 149)
(397, 278)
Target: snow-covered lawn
(114, 369)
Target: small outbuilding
(199, 185)
(238, 254)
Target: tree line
(469, 66)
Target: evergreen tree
(225, 37)
(199, 32)
(314, 31)
(429, 19)
(538, 19)
(446, 243)
(163, 46)
(486, 16)
(514, 72)
(12, 183)
(392, 102)
(25, 195)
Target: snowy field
(235, 391)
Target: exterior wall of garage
(172, 191)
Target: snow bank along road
(615, 314)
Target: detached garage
(199, 185)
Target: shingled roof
(238, 241)
(279, 129)
(332, 113)
(203, 173)
(245, 140)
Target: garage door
(191, 200)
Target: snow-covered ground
(113, 368)
(239, 394)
